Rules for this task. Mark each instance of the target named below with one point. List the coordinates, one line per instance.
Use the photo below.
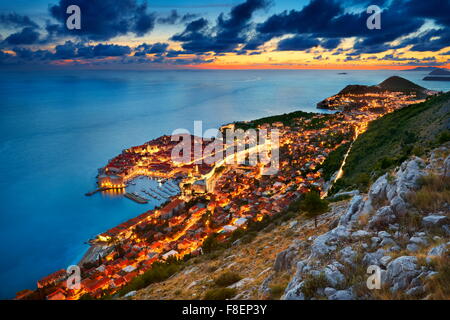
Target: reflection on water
(113, 193)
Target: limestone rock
(342, 295)
(437, 251)
(382, 218)
(377, 192)
(447, 166)
(434, 221)
(284, 259)
(348, 255)
(401, 271)
(352, 210)
(333, 275)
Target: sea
(58, 127)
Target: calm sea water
(58, 127)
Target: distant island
(356, 96)
(438, 75)
(423, 69)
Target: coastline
(96, 250)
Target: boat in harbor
(135, 197)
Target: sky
(225, 34)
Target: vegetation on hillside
(287, 119)
(333, 162)
(314, 206)
(390, 140)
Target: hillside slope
(393, 138)
(293, 259)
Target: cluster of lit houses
(239, 194)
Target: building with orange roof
(52, 278)
(59, 294)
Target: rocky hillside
(249, 264)
(400, 225)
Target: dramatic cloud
(16, 20)
(70, 50)
(298, 43)
(336, 26)
(430, 40)
(27, 36)
(438, 10)
(328, 19)
(76, 53)
(156, 48)
(174, 17)
(104, 19)
(229, 31)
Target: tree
(314, 206)
(211, 243)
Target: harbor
(144, 189)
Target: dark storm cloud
(24, 37)
(430, 40)
(229, 31)
(312, 18)
(328, 19)
(174, 17)
(105, 19)
(257, 41)
(16, 20)
(297, 43)
(104, 50)
(93, 54)
(27, 54)
(156, 48)
(70, 50)
(438, 10)
(323, 23)
(330, 43)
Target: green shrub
(159, 272)
(312, 283)
(440, 283)
(227, 278)
(339, 198)
(211, 244)
(220, 294)
(444, 137)
(277, 290)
